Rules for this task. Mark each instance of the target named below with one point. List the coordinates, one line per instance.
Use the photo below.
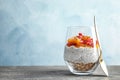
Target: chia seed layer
(80, 55)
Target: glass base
(79, 73)
(79, 70)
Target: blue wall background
(32, 32)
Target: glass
(80, 53)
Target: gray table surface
(51, 73)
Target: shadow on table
(67, 74)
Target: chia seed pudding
(80, 53)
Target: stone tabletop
(51, 73)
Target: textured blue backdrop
(32, 32)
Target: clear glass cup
(80, 53)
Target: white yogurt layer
(80, 55)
